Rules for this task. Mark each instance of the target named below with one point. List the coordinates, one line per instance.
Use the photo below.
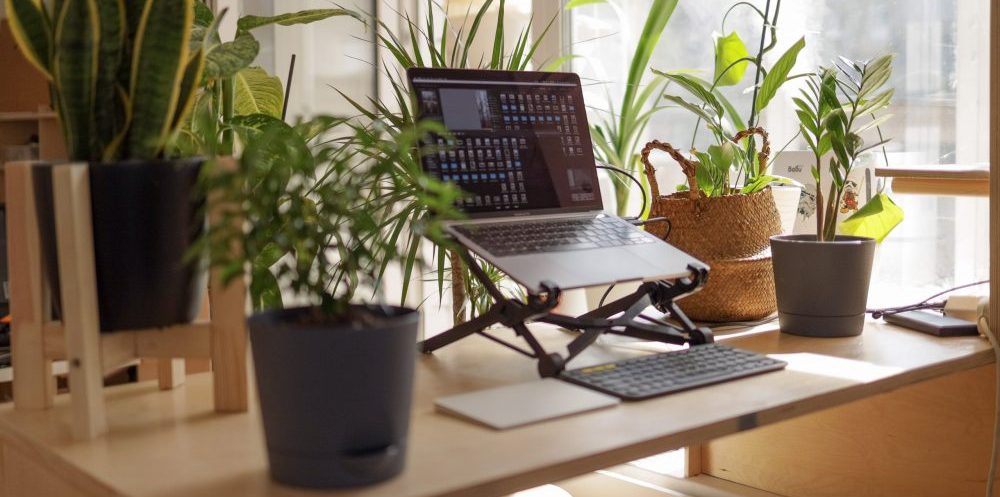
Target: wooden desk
(170, 443)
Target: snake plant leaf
(257, 92)
(189, 88)
(731, 58)
(158, 64)
(107, 111)
(231, 57)
(778, 74)
(246, 23)
(31, 30)
(876, 219)
(74, 72)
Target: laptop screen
(520, 141)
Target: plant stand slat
(34, 386)
(37, 340)
(81, 323)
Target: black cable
(922, 305)
(609, 167)
(605, 296)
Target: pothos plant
(839, 106)
(727, 167)
(326, 208)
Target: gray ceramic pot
(335, 397)
(822, 287)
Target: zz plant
(122, 74)
(838, 106)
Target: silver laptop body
(521, 150)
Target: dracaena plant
(426, 43)
(729, 167)
(837, 109)
(122, 73)
(326, 208)
(616, 134)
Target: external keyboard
(668, 372)
(555, 235)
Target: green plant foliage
(722, 120)
(731, 58)
(257, 92)
(121, 73)
(247, 23)
(876, 219)
(836, 109)
(231, 57)
(778, 75)
(422, 43)
(316, 222)
(616, 136)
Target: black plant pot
(335, 397)
(822, 287)
(41, 178)
(146, 216)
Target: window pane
(941, 81)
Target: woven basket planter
(730, 233)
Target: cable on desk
(922, 305)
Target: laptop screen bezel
(444, 74)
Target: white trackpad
(524, 403)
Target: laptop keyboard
(555, 235)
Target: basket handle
(687, 167)
(765, 146)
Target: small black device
(653, 375)
(933, 323)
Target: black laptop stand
(516, 314)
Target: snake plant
(121, 73)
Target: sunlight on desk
(836, 367)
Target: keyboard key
(556, 235)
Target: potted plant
(822, 280)
(122, 76)
(726, 214)
(335, 374)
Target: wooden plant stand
(37, 339)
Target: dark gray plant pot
(335, 397)
(822, 287)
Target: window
(940, 105)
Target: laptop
(520, 149)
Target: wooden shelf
(944, 179)
(26, 116)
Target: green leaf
(557, 63)
(189, 87)
(257, 92)
(203, 15)
(728, 51)
(876, 219)
(658, 15)
(108, 114)
(31, 30)
(231, 57)
(74, 69)
(247, 23)
(572, 4)
(158, 65)
(778, 75)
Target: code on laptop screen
(519, 140)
